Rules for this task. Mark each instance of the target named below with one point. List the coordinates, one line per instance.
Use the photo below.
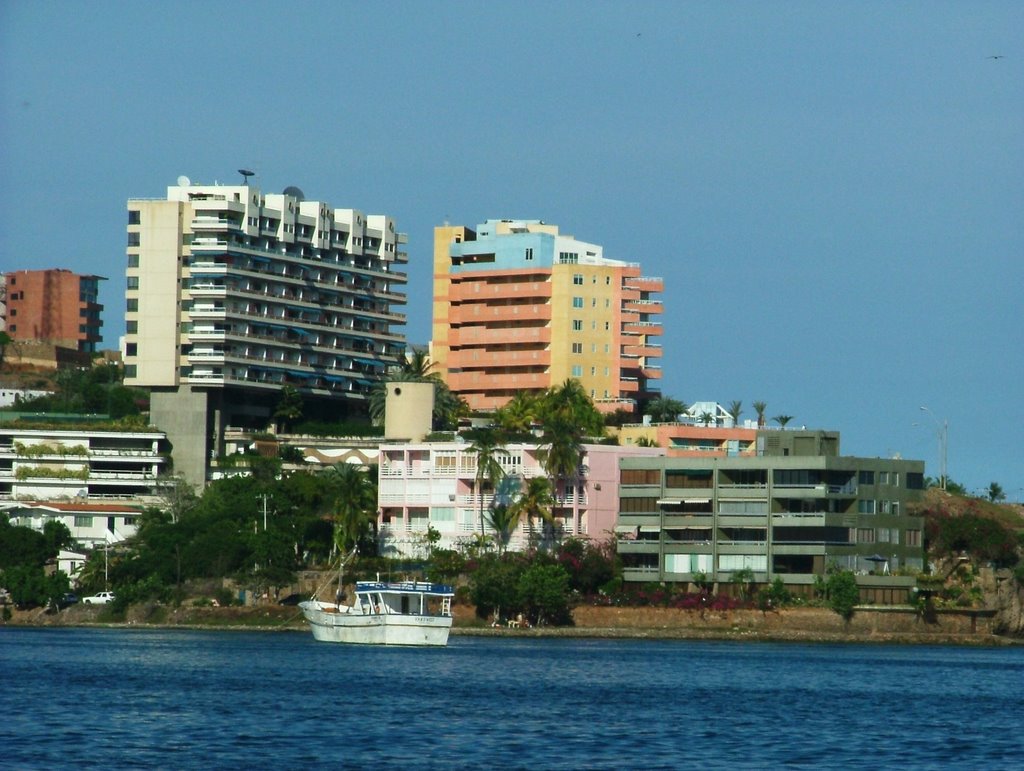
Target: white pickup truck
(99, 599)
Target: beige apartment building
(233, 293)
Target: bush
(842, 592)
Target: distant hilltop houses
(246, 309)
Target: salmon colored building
(54, 306)
(519, 306)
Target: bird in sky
(997, 56)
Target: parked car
(99, 599)
(67, 600)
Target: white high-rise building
(233, 293)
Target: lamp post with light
(943, 428)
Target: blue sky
(833, 192)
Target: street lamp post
(943, 428)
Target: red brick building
(54, 306)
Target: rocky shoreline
(890, 625)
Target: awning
(650, 529)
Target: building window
(866, 477)
(913, 538)
(82, 520)
(577, 347)
(13, 327)
(131, 349)
(865, 535)
(529, 252)
(577, 371)
(593, 372)
(577, 279)
(577, 302)
(607, 326)
(133, 239)
(132, 282)
(866, 507)
(133, 305)
(131, 327)
(577, 325)
(133, 260)
(129, 370)
(607, 280)
(134, 217)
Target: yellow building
(519, 306)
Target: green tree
(502, 519)
(485, 444)
(353, 504)
(519, 414)
(289, 407)
(493, 585)
(417, 364)
(543, 591)
(742, 579)
(842, 592)
(995, 492)
(535, 502)
(5, 340)
(706, 419)
(735, 410)
(760, 408)
(664, 409)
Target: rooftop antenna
(245, 175)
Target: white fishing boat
(385, 613)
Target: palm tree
(707, 418)
(486, 444)
(353, 504)
(735, 410)
(503, 519)
(562, 456)
(759, 408)
(289, 407)
(570, 404)
(664, 409)
(418, 364)
(536, 501)
(782, 420)
(995, 492)
(519, 413)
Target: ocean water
(117, 698)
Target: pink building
(433, 485)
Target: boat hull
(375, 629)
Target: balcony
(644, 306)
(644, 283)
(477, 313)
(477, 357)
(651, 328)
(480, 291)
(479, 335)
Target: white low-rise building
(52, 464)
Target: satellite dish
(245, 175)
(184, 181)
(295, 192)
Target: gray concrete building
(781, 515)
